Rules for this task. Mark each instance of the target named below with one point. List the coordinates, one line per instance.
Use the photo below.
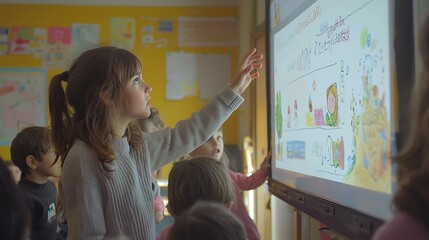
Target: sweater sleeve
(250, 182)
(171, 143)
(79, 190)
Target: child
(411, 201)
(214, 148)
(15, 173)
(209, 221)
(197, 179)
(154, 123)
(105, 185)
(31, 151)
(14, 222)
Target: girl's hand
(267, 161)
(245, 75)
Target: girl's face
(136, 95)
(213, 148)
(331, 102)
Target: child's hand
(159, 216)
(267, 161)
(245, 74)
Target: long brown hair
(412, 196)
(200, 178)
(91, 101)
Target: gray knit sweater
(119, 205)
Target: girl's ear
(229, 205)
(31, 162)
(105, 97)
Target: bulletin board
(152, 33)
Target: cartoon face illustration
(332, 105)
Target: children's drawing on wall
(56, 51)
(4, 40)
(332, 106)
(207, 32)
(279, 124)
(165, 26)
(158, 32)
(147, 39)
(22, 101)
(84, 37)
(122, 32)
(39, 42)
(27, 40)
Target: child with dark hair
(197, 179)
(32, 152)
(208, 221)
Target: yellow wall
(153, 59)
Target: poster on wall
(122, 32)
(208, 32)
(22, 101)
(56, 52)
(84, 37)
(27, 40)
(4, 41)
(190, 73)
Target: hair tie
(64, 76)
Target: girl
(214, 148)
(105, 185)
(197, 179)
(411, 220)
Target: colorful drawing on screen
(334, 156)
(296, 150)
(332, 106)
(335, 97)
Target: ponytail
(60, 115)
